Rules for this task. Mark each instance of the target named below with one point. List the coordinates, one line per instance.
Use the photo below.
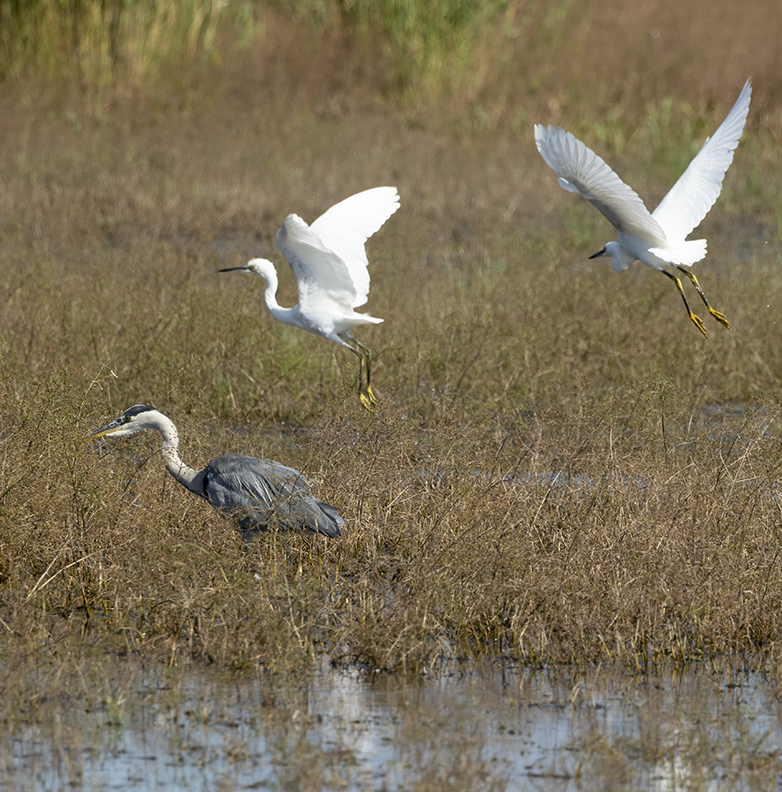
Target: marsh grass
(562, 470)
(628, 534)
(102, 43)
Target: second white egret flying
(656, 239)
(330, 263)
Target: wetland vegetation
(562, 472)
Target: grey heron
(257, 493)
(330, 264)
(656, 239)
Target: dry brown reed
(561, 469)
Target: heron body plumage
(262, 492)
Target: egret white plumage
(656, 239)
(330, 264)
(257, 493)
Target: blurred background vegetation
(482, 54)
(101, 41)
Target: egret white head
(258, 266)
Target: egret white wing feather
(582, 171)
(690, 199)
(319, 271)
(346, 226)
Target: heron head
(133, 420)
(603, 252)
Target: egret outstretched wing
(346, 226)
(318, 270)
(690, 199)
(581, 171)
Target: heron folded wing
(314, 519)
(261, 493)
(236, 480)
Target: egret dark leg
(694, 317)
(366, 359)
(364, 393)
(720, 317)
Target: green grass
(130, 44)
(98, 43)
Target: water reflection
(486, 727)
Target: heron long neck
(176, 467)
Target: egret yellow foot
(720, 317)
(369, 405)
(698, 323)
(371, 395)
(695, 318)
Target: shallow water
(489, 726)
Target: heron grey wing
(261, 492)
(581, 171)
(333, 515)
(690, 199)
(346, 226)
(317, 517)
(319, 272)
(235, 481)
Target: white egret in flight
(656, 239)
(257, 493)
(330, 265)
